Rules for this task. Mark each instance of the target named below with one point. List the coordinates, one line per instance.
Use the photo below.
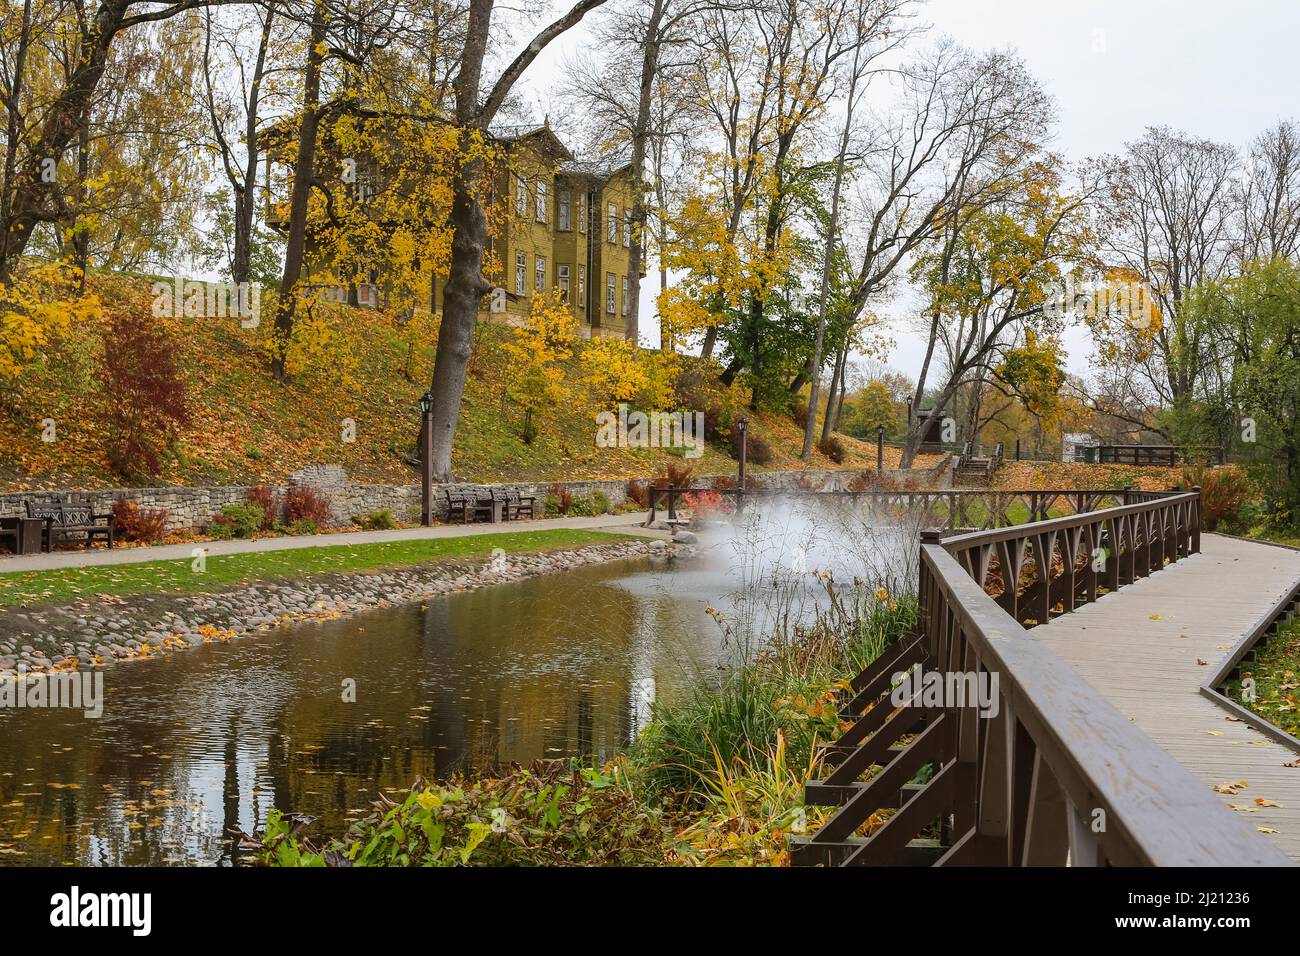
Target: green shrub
(236, 521)
(549, 815)
(588, 506)
(303, 526)
(381, 520)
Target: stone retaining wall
(191, 508)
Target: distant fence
(1166, 455)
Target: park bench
(469, 503)
(513, 504)
(72, 521)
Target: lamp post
(743, 424)
(426, 459)
(880, 448)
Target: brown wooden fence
(949, 510)
(1157, 454)
(1053, 772)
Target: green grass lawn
(1276, 671)
(69, 584)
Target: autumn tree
(466, 284)
(991, 280)
(47, 108)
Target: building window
(625, 296)
(521, 196)
(562, 282)
(627, 230)
(521, 273)
(582, 214)
(609, 292)
(562, 197)
(539, 273)
(611, 223)
(582, 285)
(541, 201)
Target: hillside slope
(367, 367)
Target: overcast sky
(1223, 70)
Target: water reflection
(210, 739)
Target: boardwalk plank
(1147, 667)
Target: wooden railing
(949, 510)
(1046, 771)
(1157, 454)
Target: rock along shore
(98, 632)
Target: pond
(207, 740)
(194, 745)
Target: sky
(1221, 70)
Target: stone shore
(99, 632)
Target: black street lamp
(743, 424)
(426, 459)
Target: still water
(208, 740)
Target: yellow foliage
(618, 370)
(536, 351)
(40, 305)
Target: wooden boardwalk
(1148, 647)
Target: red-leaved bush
(133, 523)
(302, 503)
(264, 498)
(143, 391)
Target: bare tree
(224, 112)
(1169, 219)
(966, 129)
(1270, 195)
(874, 31)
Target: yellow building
(563, 225)
(568, 229)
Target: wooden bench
(513, 504)
(469, 503)
(72, 522)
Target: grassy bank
(716, 778)
(1276, 672)
(221, 571)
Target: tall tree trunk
(303, 173)
(461, 296)
(466, 286)
(710, 340)
(828, 258)
(841, 360)
(246, 197)
(640, 133)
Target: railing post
(924, 612)
(1196, 520)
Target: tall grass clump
(788, 692)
